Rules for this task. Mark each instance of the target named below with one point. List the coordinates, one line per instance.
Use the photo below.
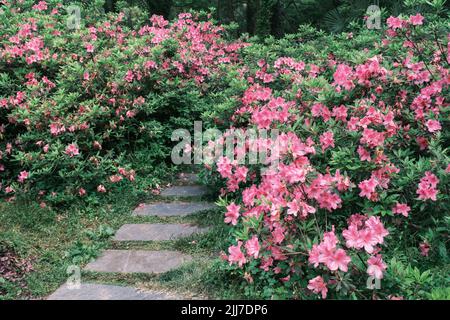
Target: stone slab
(188, 178)
(167, 209)
(91, 291)
(184, 191)
(155, 232)
(138, 261)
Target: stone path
(91, 291)
(145, 261)
(138, 261)
(184, 191)
(156, 232)
(188, 178)
(167, 209)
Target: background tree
(275, 17)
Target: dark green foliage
(278, 17)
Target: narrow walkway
(145, 261)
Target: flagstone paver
(92, 291)
(155, 232)
(138, 261)
(166, 209)
(188, 178)
(185, 191)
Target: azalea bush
(357, 206)
(88, 108)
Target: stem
(441, 49)
(420, 55)
(364, 263)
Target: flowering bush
(361, 188)
(77, 106)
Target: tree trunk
(277, 21)
(264, 18)
(161, 8)
(110, 5)
(227, 9)
(251, 10)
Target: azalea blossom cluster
(332, 159)
(427, 187)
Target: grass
(53, 241)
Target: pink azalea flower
(340, 113)
(343, 76)
(327, 140)
(241, 173)
(278, 234)
(236, 255)
(101, 189)
(401, 208)
(22, 176)
(89, 47)
(353, 123)
(352, 236)
(81, 192)
(328, 200)
(364, 155)
(41, 6)
(252, 247)
(72, 150)
(433, 126)
(416, 20)
(330, 240)
(315, 255)
(367, 187)
(317, 285)
(115, 178)
(364, 234)
(319, 110)
(293, 174)
(424, 249)
(56, 129)
(423, 142)
(232, 214)
(395, 23)
(338, 260)
(9, 189)
(150, 65)
(129, 77)
(294, 208)
(427, 187)
(377, 227)
(372, 138)
(224, 167)
(376, 267)
(305, 209)
(367, 240)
